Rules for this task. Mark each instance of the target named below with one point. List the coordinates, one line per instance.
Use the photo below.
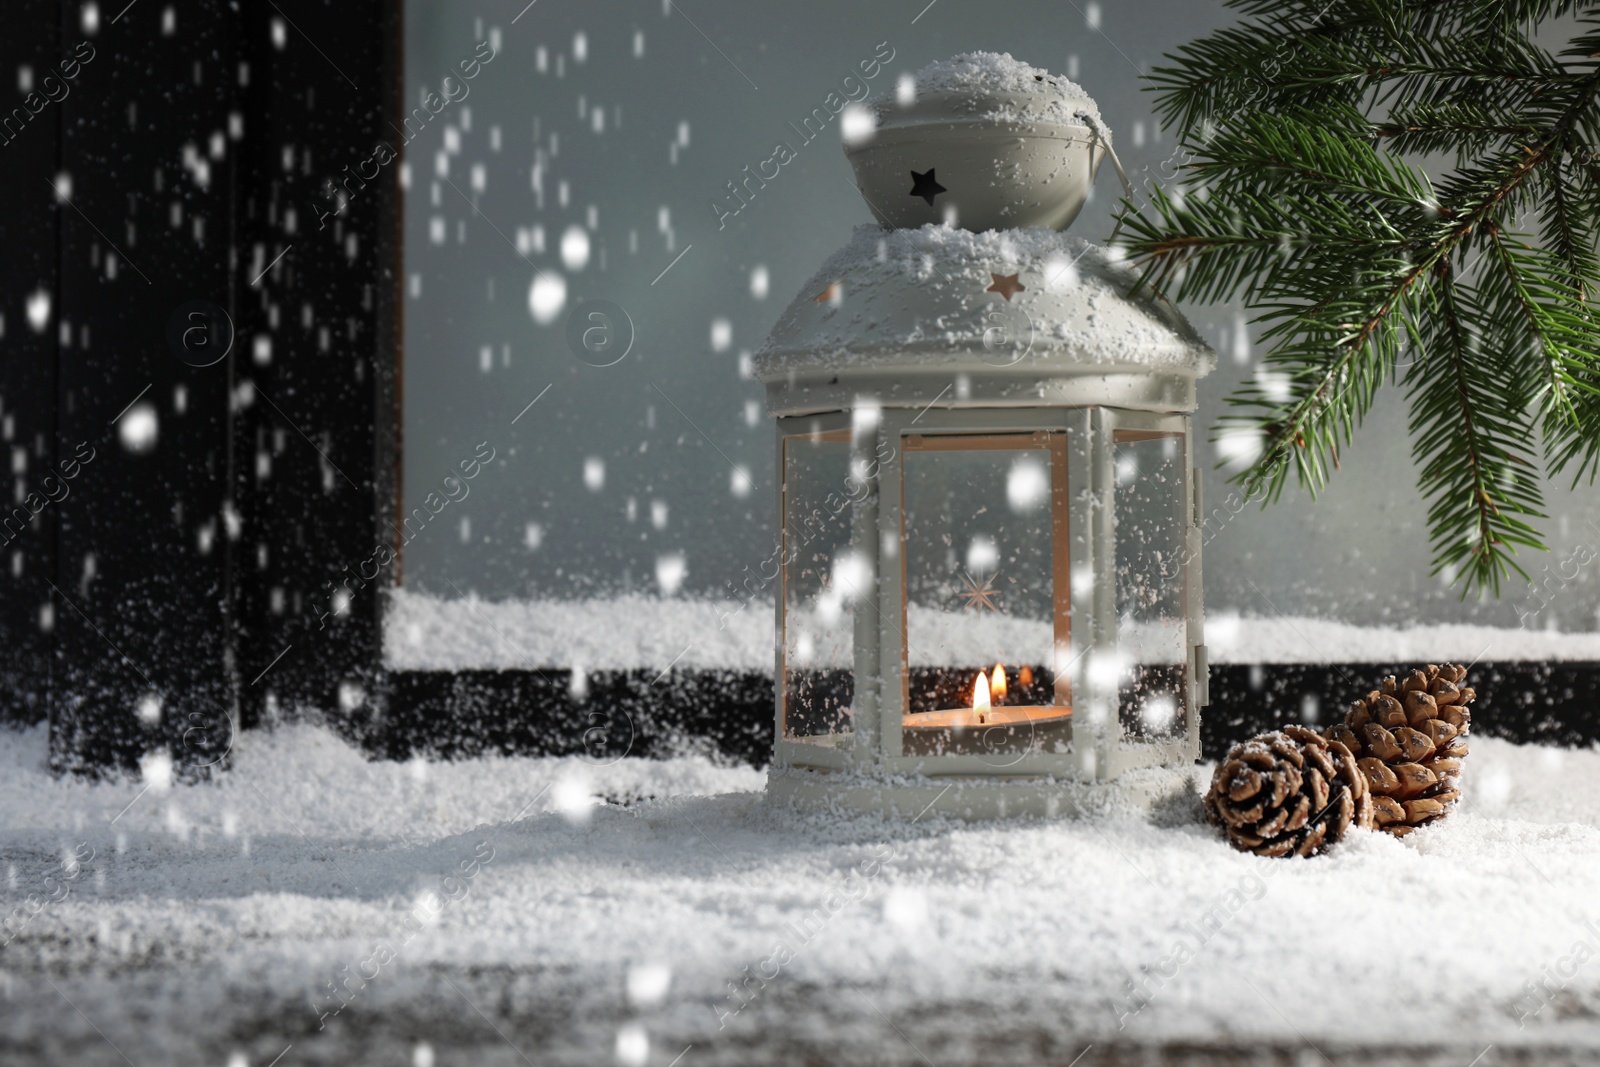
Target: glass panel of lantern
(1152, 635)
(820, 590)
(987, 609)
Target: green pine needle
(1474, 292)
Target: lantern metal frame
(1083, 452)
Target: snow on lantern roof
(1007, 301)
(990, 85)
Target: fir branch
(1297, 193)
(1464, 432)
(1531, 284)
(1521, 294)
(1466, 129)
(1346, 54)
(1572, 235)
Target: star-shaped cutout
(924, 186)
(980, 596)
(831, 295)
(1006, 285)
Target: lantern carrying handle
(1101, 137)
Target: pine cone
(1290, 792)
(1409, 738)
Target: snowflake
(980, 595)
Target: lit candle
(972, 728)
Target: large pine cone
(1409, 738)
(1290, 792)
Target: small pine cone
(1290, 792)
(1409, 738)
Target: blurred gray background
(590, 147)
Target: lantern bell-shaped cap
(980, 141)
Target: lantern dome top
(989, 85)
(981, 141)
(1020, 305)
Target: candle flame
(1025, 677)
(997, 683)
(980, 693)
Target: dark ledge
(729, 714)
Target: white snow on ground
(639, 632)
(1292, 639)
(430, 633)
(209, 919)
(306, 779)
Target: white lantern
(990, 567)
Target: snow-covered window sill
(426, 633)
